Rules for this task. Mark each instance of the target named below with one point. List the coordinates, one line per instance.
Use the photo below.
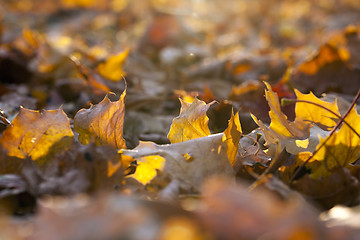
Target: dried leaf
(104, 121)
(281, 131)
(315, 113)
(90, 77)
(37, 135)
(191, 123)
(189, 162)
(326, 54)
(232, 135)
(147, 166)
(229, 210)
(112, 69)
(341, 149)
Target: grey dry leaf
(190, 162)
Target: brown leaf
(37, 135)
(230, 211)
(103, 121)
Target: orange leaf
(326, 54)
(104, 121)
(232, 135)
(191, 123)
(37, 135)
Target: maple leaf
(189, 162)
(111, 69)
(340, 149)
(315, 113)
(104, 121)
(191, 123)
(232, 135)
(281, 130)
(37, 135)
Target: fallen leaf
(103, 121)
(90, 77)
(340, 149)
(230, 211)
(313, 113)
(327, 54)
(189, 162)
(232, 135)
(281, 130)
(147, 166)
(191, 123)
(37, 135)
(112, 69)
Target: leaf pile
(160, 120)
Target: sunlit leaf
(326, 54)
(281, 130)
(103, 122)
(189, 162)
(342, 148)
(112, 68)
(147, 166)
(232, 135)
(191, 123)
(37, 134)
(315, 113)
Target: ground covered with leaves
(230, 119)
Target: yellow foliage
(147, 166)
(232, 135)
(112, 69)
(37, 135)
(340, 149)
(281, 130)
(78, 3)
(191, 123)
(279, 123)
(315, 113)
(103, 121)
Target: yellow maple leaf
(112, 69)
(232, 135)
(340, 149)
(191, 123)
(37, 134)
(281, 130)
(314, 113)
(104, 121)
